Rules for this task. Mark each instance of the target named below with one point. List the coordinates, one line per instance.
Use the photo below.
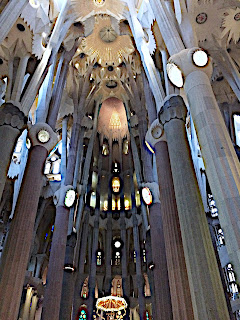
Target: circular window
(201, 18)
(43, 136)
(237, 16)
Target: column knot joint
(173, 108)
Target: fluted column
(68, 279)
(125, 283)
(26, 308)
(177, 272)
(167, 26)
(204, 279)
(108, 256)
(15, 258)
(139, 275)
(81, 263)
(93, 266)
(178, 279)
(12, 122)
(52, 297)
(33, 307)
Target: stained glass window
(83, 315)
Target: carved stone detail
(12, 116)
(155, 133)
(33, 136)
(173, 108)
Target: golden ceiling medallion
(99, 2)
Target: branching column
(18, 244)
(204, 279)
(12, 122)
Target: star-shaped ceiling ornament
(231, 24)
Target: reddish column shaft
(177, 272)
(160, 272)
(15, 259)
(52, 297)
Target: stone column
(68, 279)
(52, 297)
(26, 308)
(177, 272)
(82, 256)
(93, 266)
(222, 164)
(12, 122)
(139, 275)
(15, 258)
(205, 284)
(125, 282)
(108, 256)
(33, 307)
(167, 26)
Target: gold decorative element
(115, 123)
(87, 8)
(106, 46)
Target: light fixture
(43, 136)
(69, 268)
(111, 304)
(28, 143)
(200, 58)
(70, 198)
(151, 266)
(117, 244)
(175, 74)
(147, 195)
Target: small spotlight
(175, 74)
(200, 58)
(151, 266)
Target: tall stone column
(15, 258)
(93, 267)
(167, 26)
(26, 308)
(139, 275)
(12, 122)
(81, 263)
(33, 307)
(52, 297)
(68, 279)
(125, 282)
(177, 272)
(205, 284)
(222, 164)
(108, 256)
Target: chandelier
(111, 308)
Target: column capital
(173, 108)
(11, 115)
(41, 134)
(185, 62)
